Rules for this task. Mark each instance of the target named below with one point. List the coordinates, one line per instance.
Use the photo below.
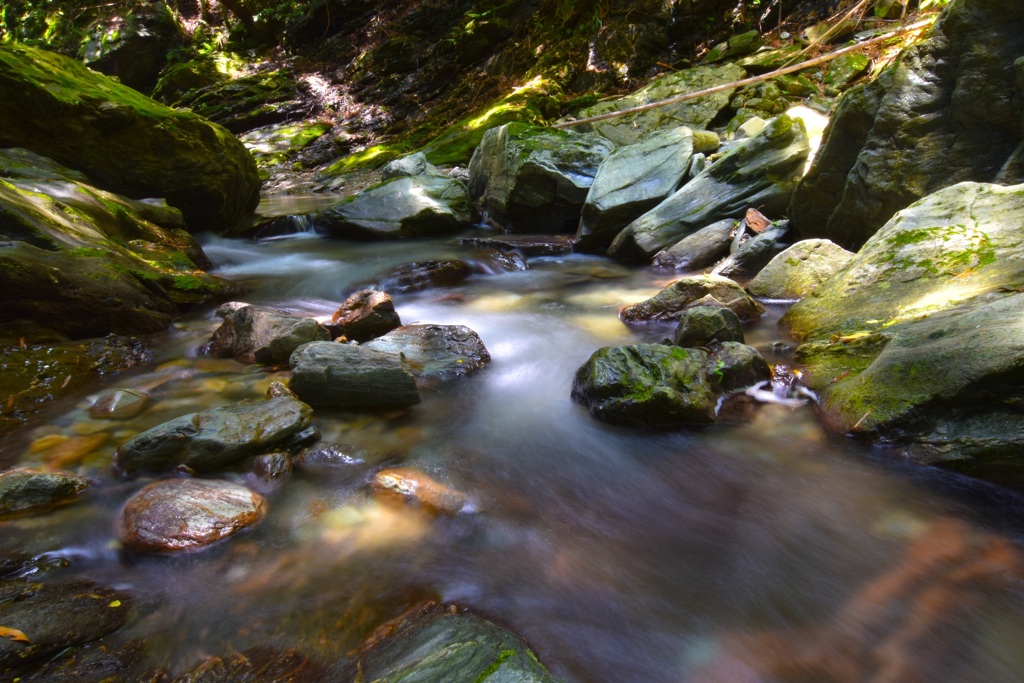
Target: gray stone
(420, 206)
(755, 253)
(178, 515)
(799, 270)
(253, 334)
(529, 179)
(132, 46)
(629, 129)
(23, 490)
(706, 325)
(669, 303)
(647, 385)
(347, 376)
(435, 352)
(760, 172)
(701, 249)
(411, 165)
(213, 438)
(947, 111)
(734, 366)
(418, 275)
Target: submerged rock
(435, 352)
(335, 375)
(669, 303)
(364, 315)
(527, 245)
(255, 665)
(403, 484)
(178, 515)
(253, 334)
(213, 438)
(799, 270)
(23, 490)
(529, 179)
(119, 404)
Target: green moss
(373, 157)
(503, 657)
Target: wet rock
(279, 389)
(418, 206)
(53, 617)
(697, 114)
(271, 468)
(364, 316)
(256, 665)
(419, 275)
(178, 515)
(702, 248)
(103, 663)
(213, 438)
(670, 302)
(441, 645)
(647, 385)
(125, 142)
(755, 253)
(119, 404)
(799, 270)
(632, 180)
(330, 455)
(761, 172)
(411, 165)
(534, 180)
(943, 113)
(408, 485)
(435, 352)
(735, 366)
(705, 325)
(326, 374)
(253, 334)
(24, 490)
(527, 245)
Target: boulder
(445, 645)
(407, 206)
(947, 111)
(330, 456)
(669, 303)
(755, 253)
(245, 103)
(327, 374)
(706, 325)
(700, 249)
(259, 664)
(409, 166)
(125, 142)
(213, 438)
(23, 490)
(435, 352)
(761, 172)
(419, 275)
(176, 515)
(632, 180)
(132, 46)
(529, 179)
(527, 245)
(364, 315)
(734, 366)
(697, 114)
(647, 385)
(252, 334)
(799, 270)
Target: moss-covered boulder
(125, 142)
(760, 172)
(245, 103)
(529, 179)
(706, 325)
(131, 46)
(647, 385)
(698, 290)
(799, 270)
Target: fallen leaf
(115, 603)
(14, 634)
(756, 220)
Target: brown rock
(404, 484)
(365, 315)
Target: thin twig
(747, 81)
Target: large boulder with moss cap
(125, 142)
(761, 172)
(529, 179)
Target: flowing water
(759, 549)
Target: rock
(213, 438)
(262, 335)
(118, 404)
(271, 468)
(183, 77)
(529, 179)
(125, 142)
(329, 455)
(420, 206)
(737, 46)
(702, 248)
(944, 113)
(55, 616)
(178, 515)
(255, 665)
(761, 172)
(408, 485)
(670, 302)
(734, 366)
(242, 104)
(411, 165)
(844, 70)
(527, 245)
(697, 114)
(706, 325)
(442, 645)
(755, 253)
(799, 270)
(365, 315)
(632, 180)
(274, 146)
(132, 46)
(326, 374)
(435, 352)
(419, 275)
(23, 490)
(278, 389)
(647, 385)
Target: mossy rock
(799, 270)
(245, 103)
(279, 144)
(185, 77)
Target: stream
(758, 549)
